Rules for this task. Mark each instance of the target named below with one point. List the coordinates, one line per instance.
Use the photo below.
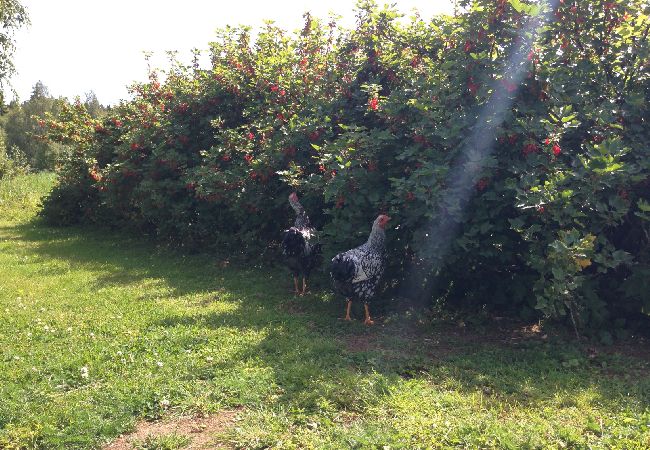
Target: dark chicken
(299, 247)
(356, 273)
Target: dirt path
(200, 431)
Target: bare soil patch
(200, 430)
(452, 337)
(361, 343)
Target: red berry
(529, 148)
(472, 87)
(482, 184)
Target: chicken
(300, 249)
(356, 273)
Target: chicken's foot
(368, 320)
(347, 311)
(295, 285)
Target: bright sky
(75, 46)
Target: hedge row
(509, 143)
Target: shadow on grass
(314, 356)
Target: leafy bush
(12, 162)
(509, 143)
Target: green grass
(165, 442)
(99, 330)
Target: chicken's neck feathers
(377, 239)
(297, 207)
(302, 220)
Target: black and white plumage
(356, 273)
(300, 249)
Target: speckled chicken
(356, 273)
(300, 249)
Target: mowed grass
(99, 330)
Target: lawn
(101, 331)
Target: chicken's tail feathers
(342, 269)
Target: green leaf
(517, 5)
(517, 222)
(643, 205)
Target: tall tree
(12, 16)
(94, 108)
(39, 91)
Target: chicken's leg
(347, 311)
(368, 320)
(295, 285)
(304, 285)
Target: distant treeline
(21, 148)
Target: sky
(78, 46)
